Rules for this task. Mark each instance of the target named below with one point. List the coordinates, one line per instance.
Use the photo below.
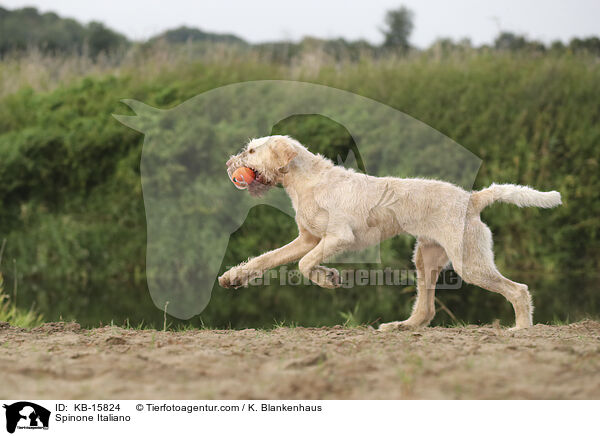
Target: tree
(399, 26)
(22, 29)
(101, 39)
(589, 45)
(510, 41)
(185, 34)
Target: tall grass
(45, 72)
(8, 309)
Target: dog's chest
(313, 221)
(309, 213)
(310, 216)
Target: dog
(338, 209)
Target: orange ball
(242, 177)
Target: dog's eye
(251, 151)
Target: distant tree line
(185, 34)
(23, 29)
(27, 28)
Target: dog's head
(269, 157)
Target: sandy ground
(61, 360)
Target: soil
(63, 361)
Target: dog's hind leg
(516, 293)
(476, 265)
(429, 258)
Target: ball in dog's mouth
(252, 180)
(243, 177)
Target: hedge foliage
(72, 211)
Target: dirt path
(59, 360)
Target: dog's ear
(283, 153)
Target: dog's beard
(257, 189)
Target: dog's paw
(396, 326)
(237, 277)
(225, 280)
(326, 277)
(333, 277)
(519, 327)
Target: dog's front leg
(240, 275)
(328, 246)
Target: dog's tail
(522, 196)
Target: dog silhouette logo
(192, 208)
(26, 415)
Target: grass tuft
(9, 312)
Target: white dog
(338, 210)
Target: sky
(270, 20)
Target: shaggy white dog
(338, 210)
